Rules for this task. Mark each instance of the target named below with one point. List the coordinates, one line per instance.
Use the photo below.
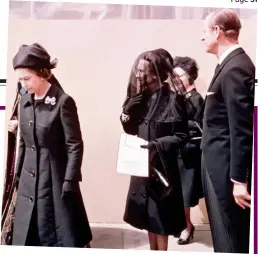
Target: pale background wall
(95, 58)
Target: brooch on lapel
(51, 101)
(125, 118)
(188, 95)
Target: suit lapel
(216, 73)
(220, 67)
(230, 56)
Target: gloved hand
(133, 104)
(152, 151)
(68, 187)
(149, 146)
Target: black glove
(152, 151)
(149, 146)
(68, 187)
(133, 104)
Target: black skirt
(155, 220)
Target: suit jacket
(227, 139)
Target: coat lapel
(27, 104)
(27, 101)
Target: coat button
(33, 148)
(143, 195)
(30, 123)
(31, 199)
(134, 193)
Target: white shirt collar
(227, 52)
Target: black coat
(228, 126)
(168, 126)
(51, 151)
(189, 158)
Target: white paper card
(132, 159)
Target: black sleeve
(238, 93)
(197, 104)
(180, 126)
(131, 125)
(73, 139)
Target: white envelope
(132, 159)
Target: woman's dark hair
(165, 54)
(189, 65)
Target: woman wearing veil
(158, 115)
(185, 70)
(49, 209)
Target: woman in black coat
(189, 157)
(49, 209)
(156, 114)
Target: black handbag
(158, 183)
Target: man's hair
(228, 21)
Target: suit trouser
(229, 233)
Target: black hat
(34, 57)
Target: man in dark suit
(228, 135)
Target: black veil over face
(165, 54)
(173, 80)
(162, 64)
(155, 67)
